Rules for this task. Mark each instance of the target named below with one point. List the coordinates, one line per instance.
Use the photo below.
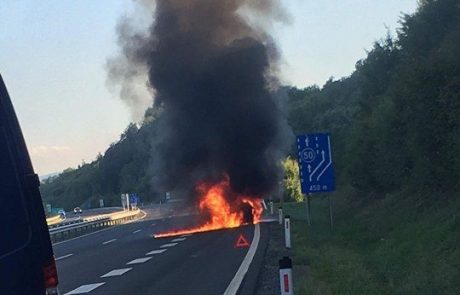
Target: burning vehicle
(210, 67)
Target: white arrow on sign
(319, 165)
(330, 159)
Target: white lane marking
(98, 231)
(109, 241)
(136, 231)
(116, 272)
(62, 257)
(139, 260)
(85, 289)
(243, 269)
(153, 224)
(82, 236)
(168, 245)
(187, 235)
(156, 252)
(179, 239)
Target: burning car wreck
(221, 131)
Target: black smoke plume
(211, 67)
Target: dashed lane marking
(168, 245)
(63, 257)
(85, 289)
(179, 239)
(136, 231)
(116, 272)
(109, 241)
(139, 260)
(156, 252)
(186, 235)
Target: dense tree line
(394, 121)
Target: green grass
(387, 246)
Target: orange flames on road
(222, 214)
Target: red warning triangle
(241, 242)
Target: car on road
(77, 210)
(61, 213)
(27, 264)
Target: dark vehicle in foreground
(27, 264)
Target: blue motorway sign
(315, 163)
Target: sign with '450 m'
(315, 163)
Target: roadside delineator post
(286, 285)
(280, 215)
(264, 204)
(271, 207)
(287, 231)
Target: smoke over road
(211, 67)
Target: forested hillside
(394, 121)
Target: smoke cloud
(210, 65)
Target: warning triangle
(241, 242)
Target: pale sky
(53, 53)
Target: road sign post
(330, 212)
(316, 167)
(307, 199)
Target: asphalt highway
(126, 259)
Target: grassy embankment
(389, 246)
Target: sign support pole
(330, 212)
(307, 196)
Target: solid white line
(243, 269)
(62, 257)
(139, 260)
(179, 239)
(156, 252)
(85, 289)
(136, 231)
(168, 245)
(116, 272)
(109, 241)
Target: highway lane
(131, 260)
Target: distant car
(77, 210)
(61, 213)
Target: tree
(291, 180)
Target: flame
(222, 213)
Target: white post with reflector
(264, 204)
(280, 215)
(286, 285)
(287, 231)
(271, 207)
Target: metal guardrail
(68, 231)
(53, 220)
